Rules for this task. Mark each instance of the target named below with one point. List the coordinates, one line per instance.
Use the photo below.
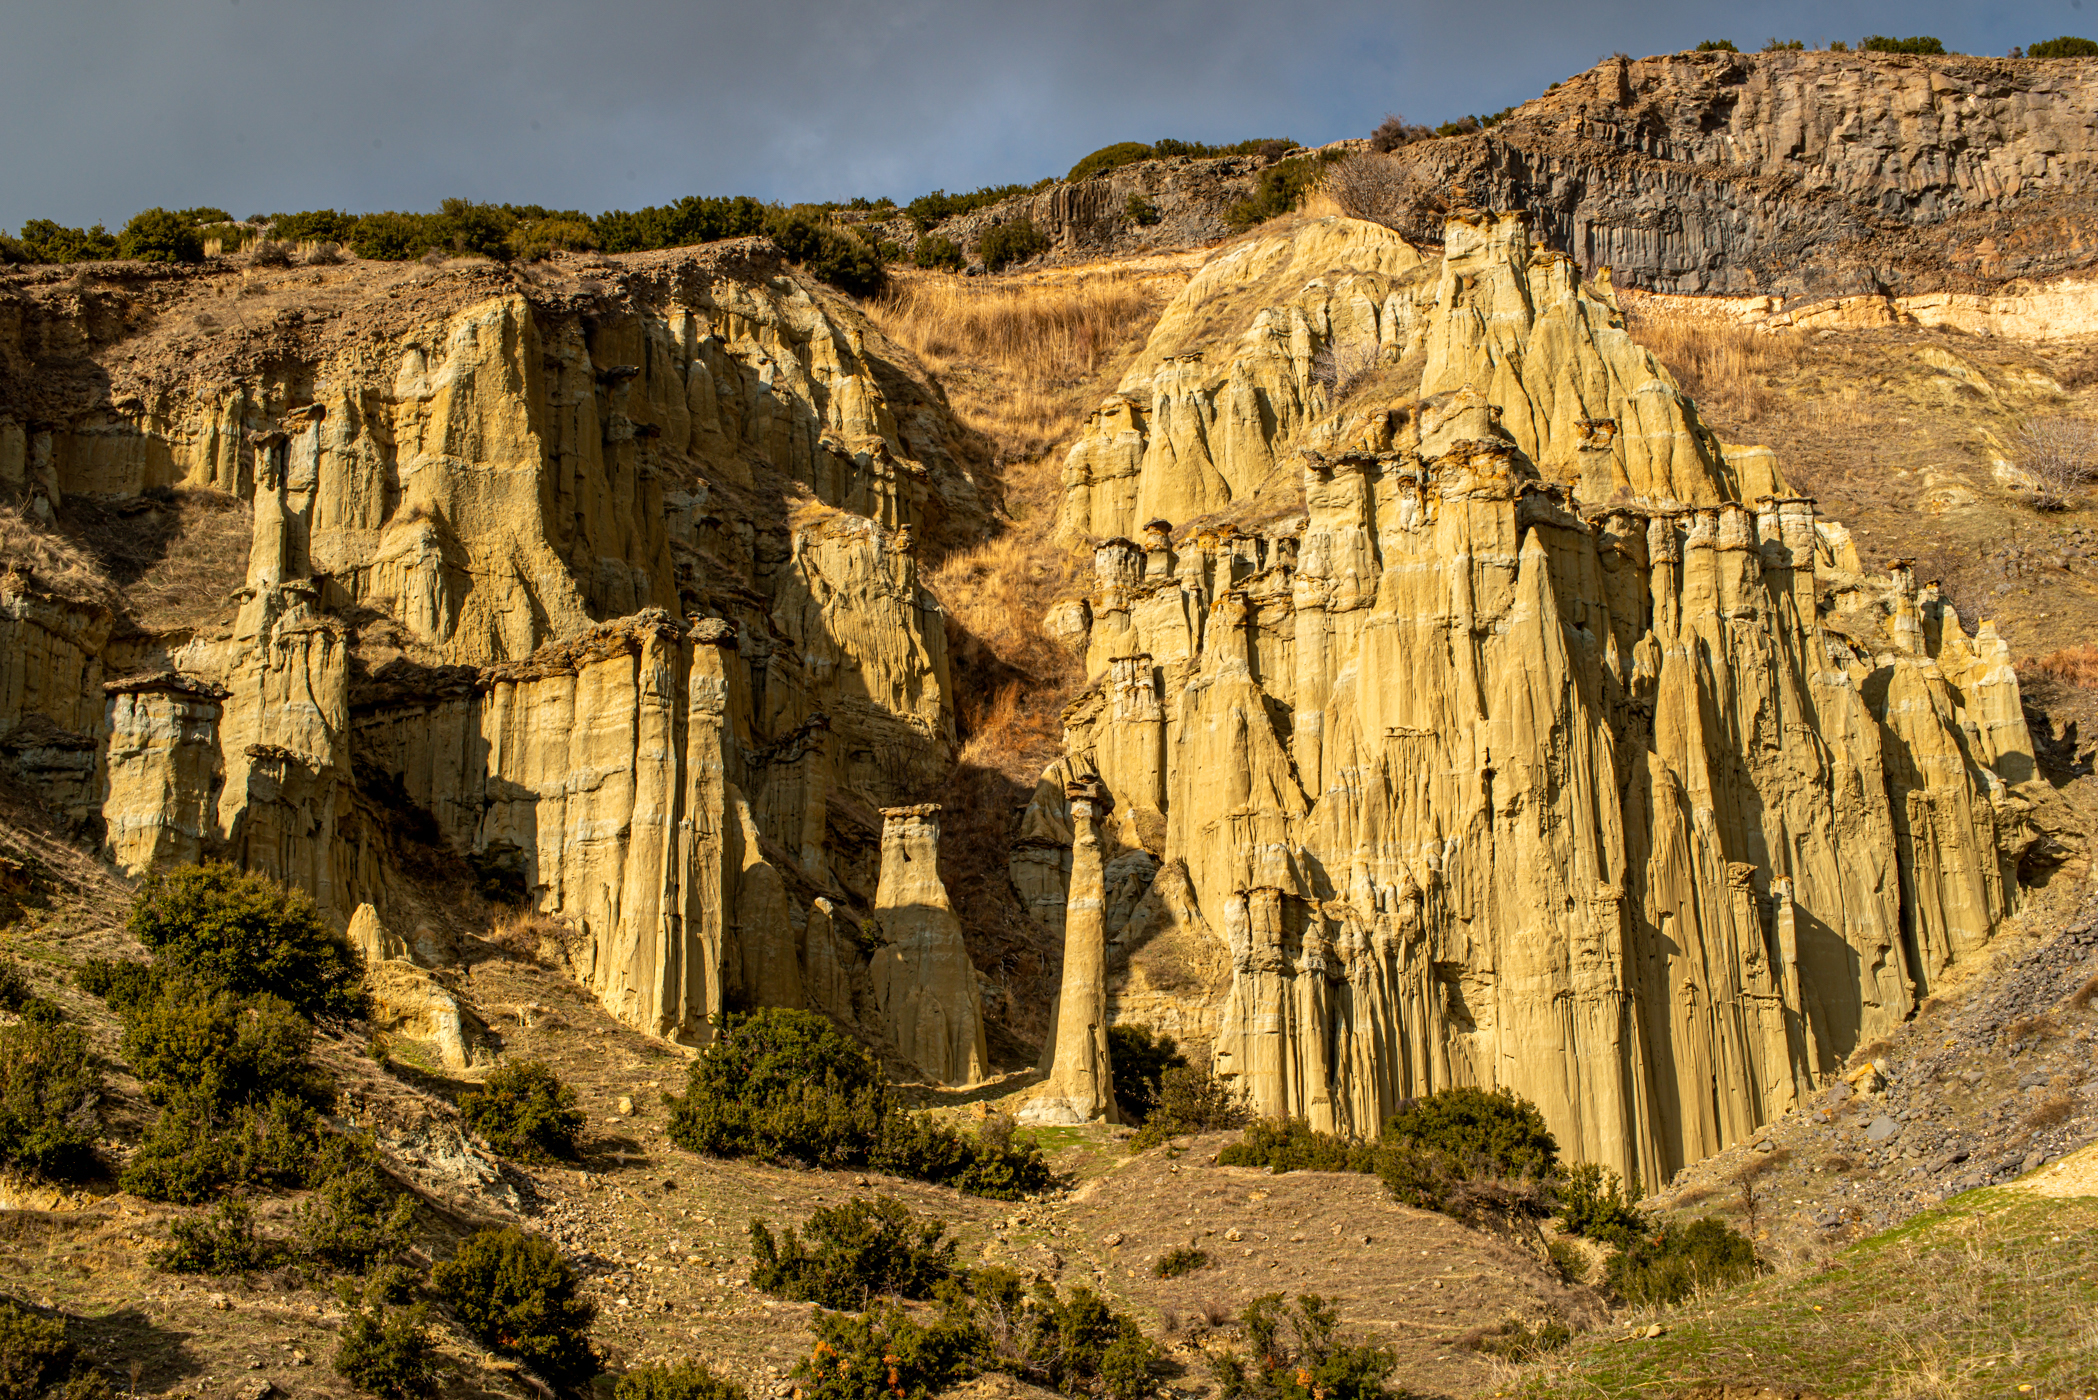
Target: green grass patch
(1989, 1292)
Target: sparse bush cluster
(38, 1362)
(525, 1111)
(1123, 153)
(1191, 1099)
(786, 1086)
(2067, 46)
(1281, 188)
(1886, 43)
(1290, 1145)
(518, 1294)
(688, 1380)
(1297, 1354)
(1183, 1260)
(930, 209)
(1678, 1260)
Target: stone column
(1081, 1085)
(923, 980)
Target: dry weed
(2054, 1109)
(204, 562)
(2078, 665)
(53, 563)
(2082, 997)
(1718, 361)
(2059, 456)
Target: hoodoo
(1531, 753)
(923, 981)
(1081, 1084)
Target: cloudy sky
(110, 106)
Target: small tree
(854, 1253)
(1140, 1059)
(247, 933)
(386, 1351)
(1191, 1099)
(525, 1111)
(158, 235)
(518, 1294)
(49, 1089)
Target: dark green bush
(1175, 1262)
(525, 1111)
(122, 983)
(1079, 1345)
(201, 1043)
(1281, 188)
(936, 251)
(357, 1218)
(49, 1089)
(1109, 158)
(247, 933)
(1191, 1099)
(1314, 1364)
(1140, 211)
(518, 1294)
(158, 235)
(195, 1149)
(884, 1353)
(540, 238)
(313, 226)
(386, 1351)
(849, 1255)
(1516, 1340)
(845, 260)
(223, 1242)
(1885, 43)
(690, 220)
(1484, 1131)
(15, 990)
(1594, 1204)
(1290, 1145)
(1138, 1060)
(394, 237)
(38, 1363)
(204, 214)
(688, 1380)
(1783, 45)
(1015, 240)
(470, 228)
(1717, 46)
(43, 241)
(785, 1086)
(1680, 1261)
(2068, 46)
(929, 209)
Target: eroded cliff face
(604, 582)
(1496, 724)
(1797, 173)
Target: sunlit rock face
(1515, 751)
(600, 594)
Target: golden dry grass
(53, 563)
(2077, 665)
(1717, 361)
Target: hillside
(1387, 660)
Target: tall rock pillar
(923, 980)
(1081, 1086)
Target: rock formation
(1527, 735)
(602, 584)
(923, 982)
(1793, 172)
(1080, 1086)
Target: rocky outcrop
(1802, 173)
(923, 980)
(1520, 746)
(599, 586)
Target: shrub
(313, 226)
(223, 1242)
(939, 206)
(1013, 241)
(121, 983)
(37, 1361)
(1681, 1260)
(856, 1252)
(1175, 1262)
(470, 227)
(1140, 211)
(933, 250)
(517, 1294)
(693, 219)
(845, 260)
(884, 1353)
(1567, 1262)
(1138, 1060)
(785, 1086)
(1314, 1363)
(200, 1043)
(247, 933)
(196, 1148)
(1594, 1204)
(357, 1219)
(1717, 46)
(1280, 189)
(15, 990)
(1290, 1145)
(392, 237)
(688, 1380)
(533, 241)
(1883, 43)
(525, 1111)
(387, 1352)
(1191, 1099)
(2068, 46)
(1483, 1131)
(1516, 1340)
(44, 241)
(1395, 131)
(1783, 45)
(1109, 158)
(270, 253)
(49, 1090)
(1077, 1344)
(157, 235)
